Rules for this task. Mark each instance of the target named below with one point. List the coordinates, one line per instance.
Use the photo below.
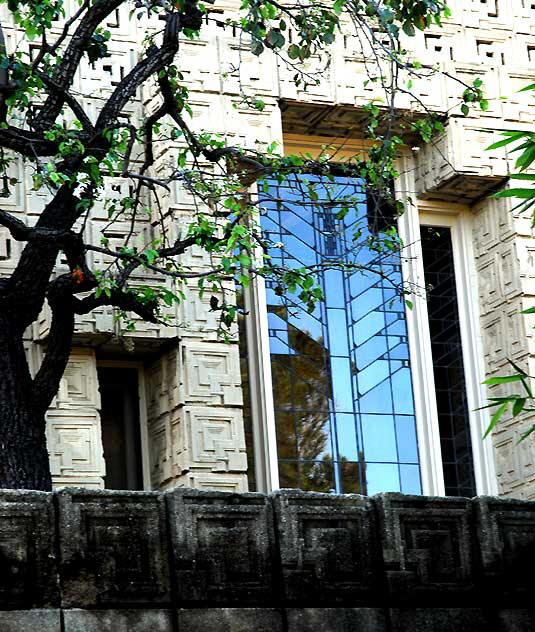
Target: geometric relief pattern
(219, 481)
(221, 547)
(327, 546)
(506, 534)
(79, 385)
(113, 547)
(210, 374)
(73, 425)
(75, 447)
(427, 546)
(28, 574)
(211, 438)
(515, 463)
(197, 317)
(160, 454)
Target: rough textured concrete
(28, 568)
(328, 547)
(230, 620)
(290, 562)
(335, 620)
(30, 621)
(428, 549)
(506, 539)
(113, 548)
(117, 621)
(222, 546)
(513, 620)
(438, 620)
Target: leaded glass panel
(341, 377)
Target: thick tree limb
(124, 300)
(47, 380)
(68, 98)
(26, 142)
(17, 228)
(156, 60)
(77, 46)
(66, 27)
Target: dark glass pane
(247, 413)
(286, 434)
(453, 412)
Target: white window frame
(143, 422)
(459, 219)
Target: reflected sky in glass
(346, 364)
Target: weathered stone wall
(191, 561)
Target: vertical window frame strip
(260, 379)
(421, 359)
(459, 220)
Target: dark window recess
(446, 348)
(120, 428)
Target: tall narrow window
(446, 350)
(120, 427)
(341, 379)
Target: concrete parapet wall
(190, 561)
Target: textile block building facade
(166, 406)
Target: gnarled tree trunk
(23, 454)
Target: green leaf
(530, 87)
(518, 406)
(506, 379)
(522, 176)
(511, 137)
(496, 418)
(527, 157)
(521, 193)
(408, 28)
(465, 109)
(257, 48)
(526, 434)
(275, 39)
(338, 6)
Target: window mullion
(421, 358)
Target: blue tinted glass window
(341, 378)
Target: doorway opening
(121, 433)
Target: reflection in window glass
(341, 377)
